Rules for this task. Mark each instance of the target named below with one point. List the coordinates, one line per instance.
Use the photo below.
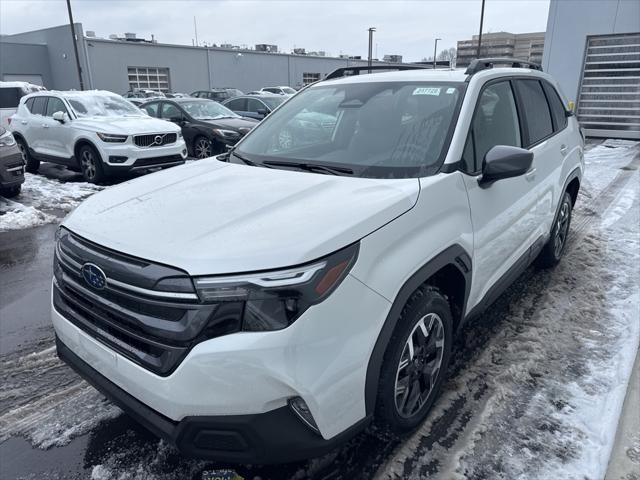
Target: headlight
(7, 140)
(225, 133)
(112, 138)
(274, 300)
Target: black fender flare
(454, 255)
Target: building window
(152, 78)
(308, 78)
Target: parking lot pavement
(534, 391)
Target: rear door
(503, 214)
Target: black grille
(157, 161)
(155, 332)
(155, 140)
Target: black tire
(31, 164)
(202, 147)
(554, 248)
(429, 306)
(10, 192)
(90, 164)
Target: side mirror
(262, 111)
(178, 120)
(503, 161)
(59, 117)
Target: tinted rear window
(536, 110)
(39, 105)
(10, 97)
(557, 108)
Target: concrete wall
(569, 24)
(62, 64)
(25, 59)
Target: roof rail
(480, 64)
(355, 70)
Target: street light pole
(75, 44)
(370, 61)
(435, 49)
(480, 34)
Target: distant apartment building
(525, 46)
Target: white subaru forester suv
(268, 308)
(95, 132)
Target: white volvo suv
(266, 308)
(95, 132)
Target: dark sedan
(208, 127)
(254, 106)
(11, 165)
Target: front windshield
(288, 90)
(208, 110)
(103, 106)
(387, 130)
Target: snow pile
(40, 197)
(15, 216)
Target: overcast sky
(403, 27)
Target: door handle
(23, 122)
(563, 149)
(45, 125)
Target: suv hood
(125, 125)
(210, 217)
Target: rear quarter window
(557, 107)
(10, 97)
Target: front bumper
(276, 436)
(129, 157)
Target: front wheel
(31, 164)
(91, 164)
(416, 360)
(202, 148)
(554, 248)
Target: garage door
(609, 99)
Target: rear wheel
(32, 165)
(91, 164)
(555, 246)
(416, 360)
(10, 191)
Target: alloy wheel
(203, 148)
(88, 163)
(419, 365)
(561, 230)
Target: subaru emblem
(94, 276)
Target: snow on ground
(39, 197)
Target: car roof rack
(355, 70)
(480, 64)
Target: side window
(9, 97)
(253, 105)
(536, 110)
(29, 104)
(237, 105)
(170, 111)
(152, 109)
(495, 122)
(39, 105)
(557, 108)
(55, 105)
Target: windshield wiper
(240, 157)
(311, 167)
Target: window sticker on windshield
(451, 90)
(426, 91)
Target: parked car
(292, 295)
(177, 95)
(138, 101)
(218, 94)
(143, 93)
(254, 106)
(207, 126)
(95, 132)
(279, 90)
(11, 165)
(10, 95)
